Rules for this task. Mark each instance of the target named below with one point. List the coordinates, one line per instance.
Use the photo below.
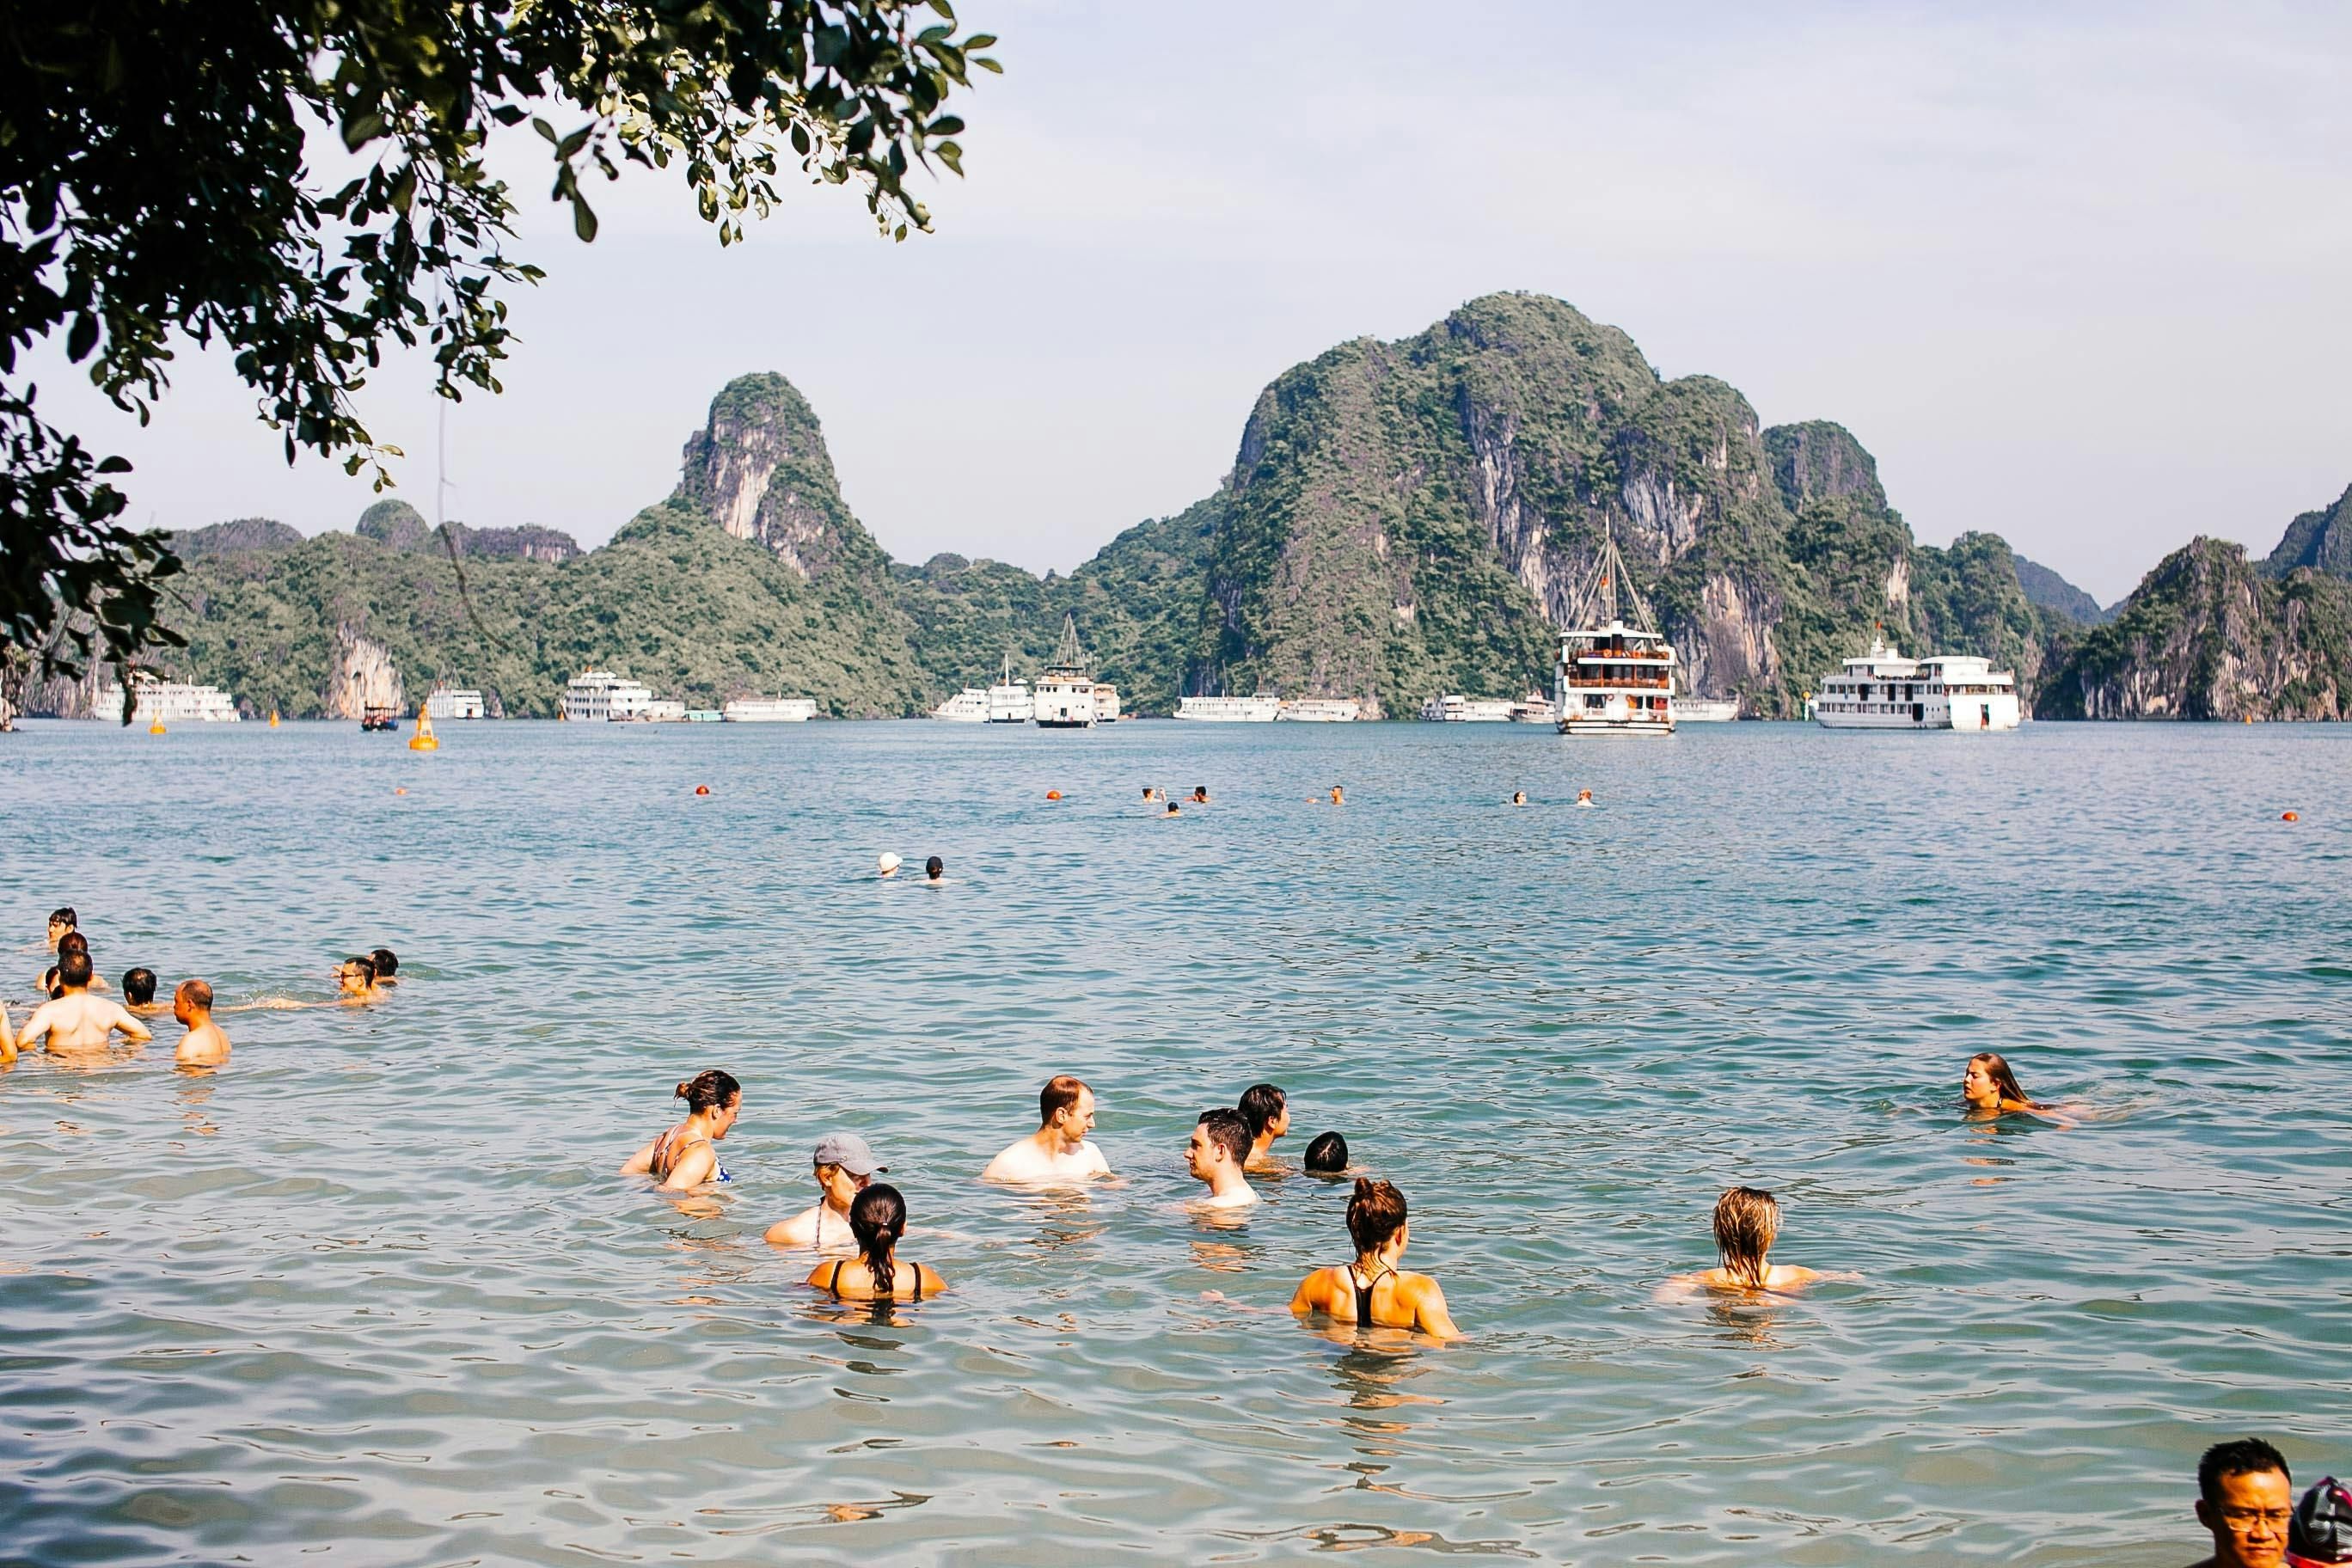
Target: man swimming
(845, 1165)
(138, 990)
(1059, 1151)
(1584, 798)
(75, 1022)
(356, 977)
(1221, 1141)
(387, 967)
(1199, 795)
(205, 1045)
(1267, 1112)
(2245, 1498)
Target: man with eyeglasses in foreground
(2245, 1497)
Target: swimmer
(935, 872)
(886, 865)
(2245, 1498)
(1199, 795)
(139, 991)
(1337, 798)
(1328, 1155)
(205, 1045)
(844, 1167)
(1584, 798)
(1171, 811)
(1519, 797)
(1221, 1141)
(1372, 1291)
(1991, 1087)
(1747, 1219)
(387, 967)
(1059, 1151)
(356, 977)
(877, 1219)
(72, 941)
(74, 1021)
(687, 1156)
(61, 920)
(1267, 1111)
(1152, 796)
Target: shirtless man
(205, 1045)
(1221, 1141)
(1059, 1151)
(1267, 1111)
(356, 979)
(138, 992)
(76, 1022)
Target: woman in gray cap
(844, 1165)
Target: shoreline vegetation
(1768, 553)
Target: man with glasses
(2245, 1497)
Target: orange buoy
(1053, 794)
(702, 789)
(2289, 817)
(400, 792)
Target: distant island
(1401, 519)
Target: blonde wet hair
(1746, 1220)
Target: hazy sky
(2074, 275)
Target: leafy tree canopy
(155, 180)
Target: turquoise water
(373, 1295)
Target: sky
(2074, 275)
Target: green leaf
(583, 221)
(82, 339)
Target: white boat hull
(1650, 727)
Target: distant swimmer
(1372, 1291)
(139, 991)
(687, 1156)
(877, 1220)
(356, 978)
(845, 1165)
(61, 920)
(1519, 797)
(1221, 1141)
(1174, 810)
(387, 967)
(1339, 796)
(1326, 1155)
(1584, 798)
(205, 1045)
(1059, 1151)
(74, 1022)
(2245, 1500)
(1152, 796)
(1199, 795)
(886, 865)
(1267, 1111)
(1747, 1221)
(1989, 1086)
(935, 872)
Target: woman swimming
(1991, 1086)
(877, 1219)
(1372, 1291)
(1747, 1219)
(845, 1165)
(687, 1156)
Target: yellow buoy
(273, 717)
(424, 740)
(156, 728)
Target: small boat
(1258, 709)
(1706, 709)
(1454, 709)
(1321, 710)
(373, 718)
(968, 706)
(1535, 708)
(1009, 701)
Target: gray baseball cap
(849, 1151)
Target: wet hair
(1746, 1221)
(1199, 790)
(138, 986)
(877, 1219)
(2238, 1456)
(73, 967)
(1327, 1155)
(387, 962)
(197, 994)
(1260, 1104)
(934, 866)
(1173, 811)
(366, 967)
(72, 942)
(2003, 1079)
(49, 983)
(1229, 1131)
(1375, 1213)
(1059, 1094)
(1147, 792)
(711, 1090)
(65, 917)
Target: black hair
(138, 986)
(2239, 1456)
(49, 986)
(73, 967)
(877, 1219)
(366, 967)
(1229, 1131)
(64, 917)
(709, 1090)
(72, 942)
(1328, 1155)
(934, 866)
(1260, 1104)
(387, 962)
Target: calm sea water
(373, 1295)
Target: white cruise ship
(1259, 710)
(1453, 709)
(595, 696)
(1885, 690)
(1535, 708)
(1106, 703)
(968, 706)
(1009, 700)
(1706, 709)
(769, 710)
(447, 703)
(165, 703)
(1321, 710)
(1615, 677)
(1065, 692)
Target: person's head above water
(73, 968)
(1328, 1155)
(1067, 1105)
(61, 920)
(1221, 1139)
(138, 987)
(1519, 797)
(2245, 1497)
(1172, 809)
(934, 867)
(387, 962)
(885, 864)
(877, 1219)
(73, 941)
(1990, 1085)
(1265, 1109)
(356, 974)
(1376, 1216)
(191, 1000)
(1747, 1219)
(1201, 793)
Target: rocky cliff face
(759, 469)
(363, 676)
(2046, 589)
(2321, 540)
(2206, 634)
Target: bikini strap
(835, 1282)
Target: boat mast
(1597, 603)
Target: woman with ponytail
(687, 1156)
(877, 1219)
(1373, 1291)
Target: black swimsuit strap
(836, 1282)
(1364, 1294)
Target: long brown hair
(709, 1090)
(2003, 1079)
(1375, 1213)
(877, 1219)
(1746, 1221)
